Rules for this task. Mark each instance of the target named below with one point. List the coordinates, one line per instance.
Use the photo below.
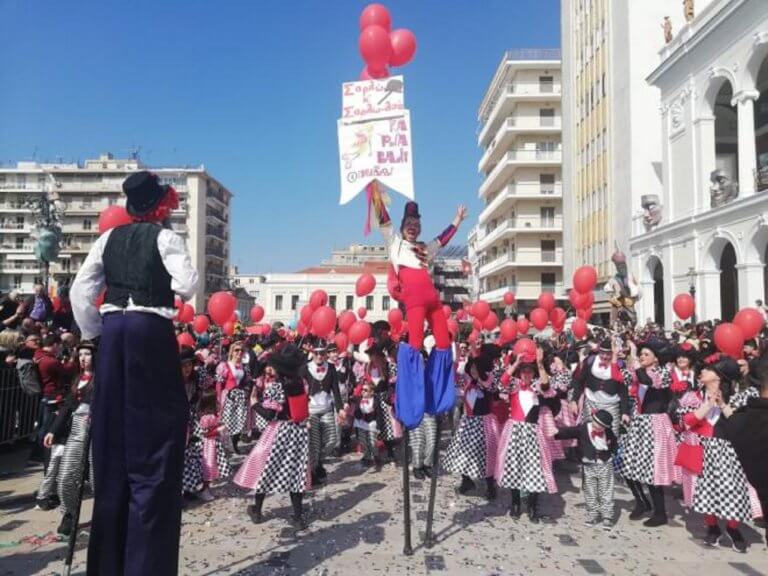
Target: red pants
(422, 302)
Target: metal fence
(18, 410)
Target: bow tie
(525, 387)
(597, 433)
(604, 365)
(321, 369)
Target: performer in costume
(139, 409)
(215, 462)
(324, 406)
(420, 389)
(279, 462)
(423, 447)
(194, 383)
(623, 292)
(649, 447)
(472, 451)
(365, 424)
(233, 389)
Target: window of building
(294, 302)
(86, 224)
(547, 116)
(546, 84)
(278, 302)
(547, 183)
(385, 302)
(547, 250)
(19, 242)
(350, 302)
(547, 214)
(17, 281)
(369, 302)
(332, 302)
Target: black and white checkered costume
(466, 452)
(422, 442)
(521, 458)
(740, 399)
(286, 468)
(234, 413)
(192, 477)
(323, 437)
(384, 416)
(71, 468)
(597, 483)
(721, 488)
(636, 460)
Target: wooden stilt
(407, 549)
(433, 484)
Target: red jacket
(55, 376)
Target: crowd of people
(645, 407)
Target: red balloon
(221, 306)
(346, 319)
(577, 299)
(367, 74)
(318, 298)
(257, 313)
(477, 325)
(395, 318)
(539, 318)
(112, 217)
(729, 339)
(481, 309)
(301, 329)
(375, 15)
(228, 328)
(684, 306)
(751, 322)
(342, 341)
(361, 312)
(525, 348)
(585, 279)
(473, 336)
(509, 298)
(323, 321)
(453, 327)
(403, 43)
(490, 322)
(546, 301)
(185, 339)
(585, 314)
(461, 315)
(187, 314)
(365, 284)
(508, 330)
(589, 299)
(100, 298)
(305, 315)
(579, 328)
(557, 316)
(447, 311)
(375, 47)
(234, 318)
(359, 332)
(404, 328)
(523, 325)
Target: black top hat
(604, 418)
(144, 192)
(482, 363)
(187, 354)
(727, 368)
(287, 360)
(605, 345)
(411, 210)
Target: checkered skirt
(192, 477)
(721, 488)
(647, 451)
(518, 464)
(234, 414)
(280, 460)
(215, 463)
(385, 419)
(473, 448)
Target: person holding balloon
(420, 388)
(138, 495)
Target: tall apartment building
(518, 243)
(611, 132)
(81, 193)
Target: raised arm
(446, 235)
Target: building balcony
(217, 195)
(497, 295)
(8, 268)
(84, 209)
(514, 159)
(22, 187)
(509, 97)
(513, 127)
(520, 225)
(216, 231)
(216, 251)
(521, 191)
(80, 229)
(70, 187)
(13, 228)
(14, 208)
(521, 259)
(13, 249)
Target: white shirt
(401, 251)
(90, 281)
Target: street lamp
(692, 291)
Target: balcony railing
(217, 194)
(215, 251)
(216, 231)
(519, 157)
(533, 54)
(497, 294)
(518, 124)
(521, 190)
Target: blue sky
(252, 89)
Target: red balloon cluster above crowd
(380, 46)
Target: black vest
(134, 269)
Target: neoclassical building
(712, 233)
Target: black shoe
(418, 473)
(655, 521)
(514, 510)
(48, 503)
(427, 471)
(65, 528)
(316, 480)
(298, 522)
(639, 511)
(366, 462)
(255, 513)
(713, 536)
(490, 492)
(533, 511)
(321, 473)
(466, 485)
(739, 544)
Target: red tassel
(369, 201)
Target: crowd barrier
(18, 410)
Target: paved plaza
(355, 527)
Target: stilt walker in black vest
(139, 410)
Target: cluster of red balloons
(582, 296)
(112, 217)
(380, 46)
(730, 336)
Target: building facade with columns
(710, 232)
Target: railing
(18, 410)
(215, 251)
(533, 88)
(533, 54)
(554, 156)
(14, 248)
(217, 194)
(217, 231)
(521, 191)
(535, 222)
(493, 265)
(498, 293)
(217, 213)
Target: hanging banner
(372, 99)
(376, 150)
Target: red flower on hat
(712, 358)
